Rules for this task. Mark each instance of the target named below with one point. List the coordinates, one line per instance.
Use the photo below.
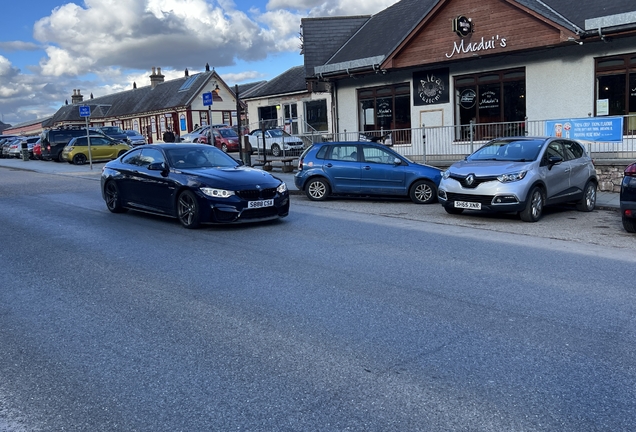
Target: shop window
(616, 88)
(494, 101)
(316, 115)
(384, 109)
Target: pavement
(604, 200)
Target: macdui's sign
(480, 45)
(431, 87)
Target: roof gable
(290, 81)
(500, 26)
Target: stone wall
(610, 175)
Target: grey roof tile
(290, 81)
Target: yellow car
(102, 149)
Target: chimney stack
(156, 77)
(77, 97)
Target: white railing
(445, 144)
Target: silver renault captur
(521, 174)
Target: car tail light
(631, 170)
(300, 164)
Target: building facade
(152, 109)
(457, 63)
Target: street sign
(84, 111)
(207, 99)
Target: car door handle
(567, 170)
(366, 167)
(328, 165)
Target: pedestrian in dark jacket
(168, 136)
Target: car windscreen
(190, 157)
(509, 150)
(112, 130)
(228, 133)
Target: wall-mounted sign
(462, 26)
(605, 129)
(467, 98)
(483, 44)
(430, 87)
(488, 99)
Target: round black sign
(467, 98)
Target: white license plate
(260, 204)
(468, 205)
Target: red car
(37, 150)
(224, 138)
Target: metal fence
(445, 144)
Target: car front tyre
(275, 150)
(78, 159)
(317, 189)
(534, 206)
(423, 192)
(113, 198)
(588, 202)
(188, 210)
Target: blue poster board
(604, 129)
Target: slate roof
(245, 90)
(382, 33)
(322, 37)
(165, 95)
(290, 81)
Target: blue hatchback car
(364, 169)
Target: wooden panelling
(503, 28)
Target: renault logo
(470, 179)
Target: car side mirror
(554, 160)
(397, 161)
(158, 166)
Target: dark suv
(53, 141)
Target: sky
(48, 48)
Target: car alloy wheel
(534, 206)
(317, 189)
(275, 150)
(224, 148)
(113, 202)
(188, 210)
(423, 192)
(78, 159)
(588, 202)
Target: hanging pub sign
(462, 26)
(430, 87)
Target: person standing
(168, 136)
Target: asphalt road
(347, 315)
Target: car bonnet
(237, 178)
(489, 168)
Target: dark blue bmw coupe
(194, 183)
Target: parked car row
(11, 146)
(514, 175)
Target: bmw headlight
(446, 174)
(281, 188)
(217, 193)
(512, 177)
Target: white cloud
(105, 45)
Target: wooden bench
(288, 163)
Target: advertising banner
(602, 129)
(431, 87)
